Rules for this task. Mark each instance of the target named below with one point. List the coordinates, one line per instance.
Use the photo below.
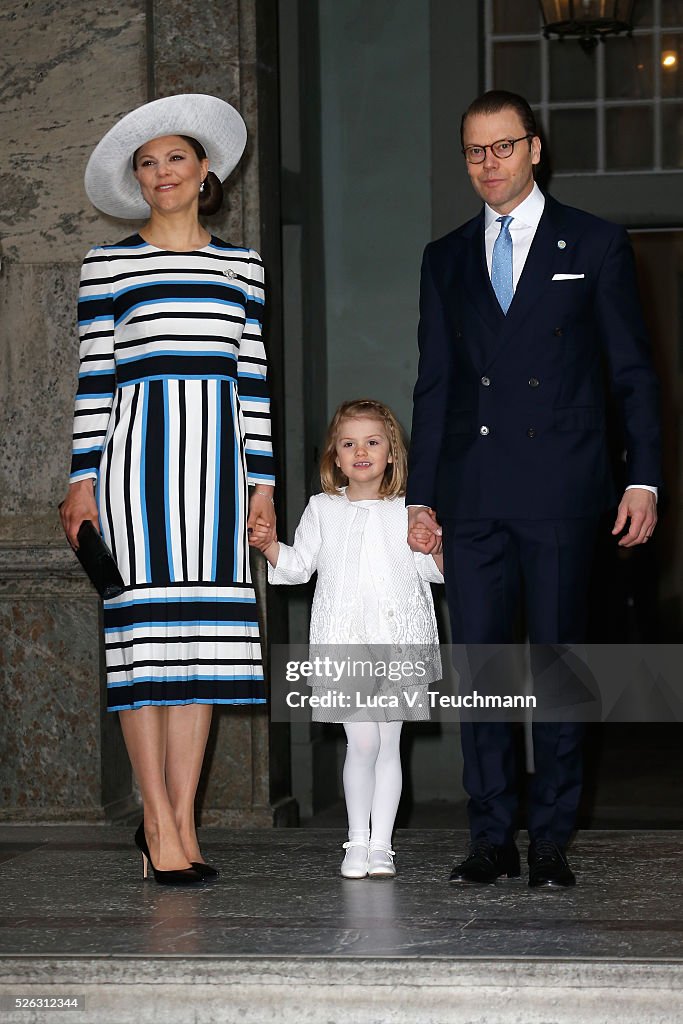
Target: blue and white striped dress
(172, 421)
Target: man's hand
(424, 533)
(640, 506)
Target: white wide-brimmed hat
(109, 180)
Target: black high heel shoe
(183, 876)
(208, 873)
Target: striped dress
(172, 422)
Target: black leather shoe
(486, 862)
(548, 866)
(208, 873)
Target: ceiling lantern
(588, 21)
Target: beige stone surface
(70, 69)
(209, 47)
(38, 373)
(62, 754)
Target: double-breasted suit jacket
(509, 410)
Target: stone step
(344, 990)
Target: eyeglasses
(503, 149)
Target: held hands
(424, 533)
(261, 523)
(78, 505)
(259, 537)
(640, 506)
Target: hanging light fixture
(587, 20)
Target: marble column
(61, 755)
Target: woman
(171, 429)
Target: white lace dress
(372, 601)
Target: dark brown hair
(494, 101)
(211, 197)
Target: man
(508, 456)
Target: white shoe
(355, 863)
(381, 862)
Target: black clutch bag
(98, 562)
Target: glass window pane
(628, 68)
(516, 67)
(643, 13)
(629, 138)
(672, 72)
(573, 144)
(672, 13)
(513, 19)
(672, 135)
(572, 72)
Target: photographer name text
(409, 699)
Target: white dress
(372, 598)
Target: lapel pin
(562, 244)
(229, 273)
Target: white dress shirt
(525, 218)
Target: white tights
(372, 779)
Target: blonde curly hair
(395, 475)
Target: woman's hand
(262, 515)
(260, 538)
(78, 505)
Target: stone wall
(61, 755)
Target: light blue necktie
(501, 265)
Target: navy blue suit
(508, 445)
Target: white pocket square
(567, 277)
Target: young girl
(371, 589)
